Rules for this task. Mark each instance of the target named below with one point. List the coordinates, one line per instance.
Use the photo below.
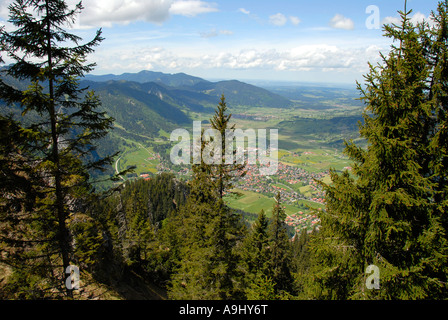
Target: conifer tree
(255, 246)
(390, 211)
(255, 255)
(261, 287)
(279, 262)
(65, 123)
(301, 264)
(194, 227)
(225, 173)
(209, 266)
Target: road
(116, 168)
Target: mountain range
(146, 102)
(193, 92)
(172, 80)
(143, 103)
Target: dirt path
(116, 168)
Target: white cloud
(4, 12)
(242, 10)
(318, 57)
(226, 32)
(191, 8)
(209, 34)
(391, 20)
(278, 19)
(213, 33)
(418, 17)
(341, 22)
(8, 27)
(294, 20)
(105, 13)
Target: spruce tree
(261, 287)
(390, 211)
(194, 228)
(255, 246)
(225, 173)
(255, 256)
(279, 262)
(210, 231)
(301, 263)
(63, 125)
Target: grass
(253, 202)
(139, 157)
(306, 191)
(308, 203)
(317, 159)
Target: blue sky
(281, 40)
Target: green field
(143, 158)
(316, 159)
(253, 202)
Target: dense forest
(178, 239)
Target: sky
(327, 41)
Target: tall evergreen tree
(255, 255)
(256, 243)
(301, 263)
(210, 231)
(279, 263)
(194, 226)
(391, 210)
(65, 122)
(225, 173)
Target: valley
(312, 121)
(312, 127)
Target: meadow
(143, 158)
(254, 202)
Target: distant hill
(195, 93)
(146, 102)
(147, 105)
(319, 97)
(172, 80)
(242, 94)
(140, 108)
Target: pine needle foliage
(57, 141)
(390, 211)
(210, 230)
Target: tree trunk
(64, 239)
